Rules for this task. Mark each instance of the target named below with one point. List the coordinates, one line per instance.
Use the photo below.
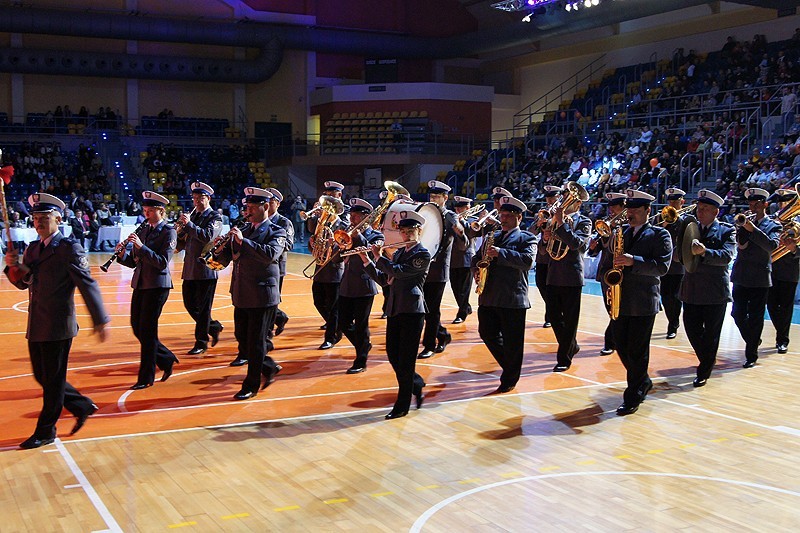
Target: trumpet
(605, 226)
(742, 218)
(305, 214)
(488, 218)
(365, 249)
(121, 246)
(179, 227)
(668, 215)
(474, 210)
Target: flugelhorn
(742, 218)
(121, 246)
(488, 218)
(179, 227)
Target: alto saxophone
(483, 263)
(613, 278)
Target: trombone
(474, 210)
(668, 215)
(605, 226)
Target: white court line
(427, 515)
(98, 504)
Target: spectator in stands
(788, 106)
(104, 215)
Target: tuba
(322, 240)
(573, 193)
(791, 229)
(613, 278)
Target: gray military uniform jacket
(753, 263)
(151, 261)
(356, 281)
(54, 274)
(254, 282)
(568, 272)
(463, 249)
(651, 249)
(406, 274)
(201, 229)
(711, 283)
(507, 278)
(288, 227)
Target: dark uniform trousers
(146, 306)
(632, 334)
(403, 355)
(251, 335)
(198, 299)
(608, 335)
(749, 304)
(49, 363)
(670, 285)
(326, 301)
(564, 308)
(703, 324)
(354, 314)
(780, 303)
(503, 332)
(434, 333)
(540, 275)
(461, 284)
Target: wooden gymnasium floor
(313, 452)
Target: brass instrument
(365, 249)
(741, 218)
(488, 218)
(791, 229)
(668, 214)
(605, 226)
(121, 246)
(483, 263)
(180, 229)
(344, 238)
(305, 214)
(613, 278)
(322, 240)
(573, 193)
(210, 257)
(472, 211)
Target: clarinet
(121, 246)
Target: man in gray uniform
(276, 218)
(460, 260)
(51, 269)
(199, 281)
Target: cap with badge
(276, 194)
(410, 219)
(509, 203)
(254, 195)
(153, 199)
(709, 197)
(202, 188)
(461, 201)
(437, 187)
(755, 194)
(616, 198)
(499, 192)
(783, 195)
(333, 186)
(358, 205)
(552, 190)
(636, 198)
(41, 202)
(674, 193)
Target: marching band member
(671, 281)
(705, 293)
(357, 290)
(551, 193)
(648, 252)
(149, 255)
(756, 237)
(565, 279)
(785, 271)
(503, 302)
(325, 285)
(436, 337)
(281, 318)
(255, 252)
(460, 259)
(51, 270)
(405, 308)
(602, 245)
(199, 281)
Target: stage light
(587, 3)
(526, 18)
(568, 7)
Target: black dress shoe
(244, 395)
(396, 414)
(626, 409)
(458, 320)
(197, 350)
(327, 345)
(749, 364)
(167, 372)
(140, 386)
(383, 316)
(215, 335)
(698, 382)
(502, 389)
(577, 349)
(324, 326)
(356, 369)
(239, 361)
(279, 326)
(420, 398)
(425, 354)
(547, 325)
(81, 419)
(671, 334)
(269, 377)
(606, 351)
(782, 348)
(443, 344)
(560, 368)
(35, 442)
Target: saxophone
(483, 263)
(613, 278)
